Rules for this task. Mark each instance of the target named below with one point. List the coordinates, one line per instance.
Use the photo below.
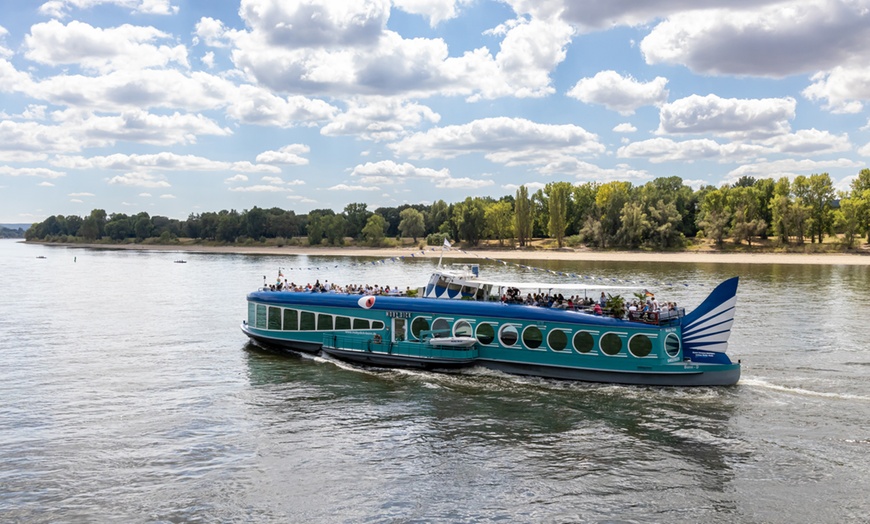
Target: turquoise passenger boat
(458, 321)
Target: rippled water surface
(128, 394)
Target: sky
(175, 107)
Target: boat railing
(374, 343)
(657, 317)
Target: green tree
(228, 225)
(470, 219)
(540, 213)
(583, 205)
(780, 206)
(318, 225)
(335, 227)
(120, 226)
(374, 230)
(665, 223)
(94, 226)
(412, 223)
(745, 221)
(715, 215)
(558, 194)
(847, 218)
(499, 220)
(142, 226)
(635, 225)
(523, 216)
(820, 198)
(610, 199)
(860, 196)
(357, 216)
(439, 213)
(256, 221)
(592, 233)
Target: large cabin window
(252, 314)
(261, 316)
(306, 321)
(360, 323)
(274, 318)
(291, 320)
(342, 323)
(324, 322)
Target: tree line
(661, 214)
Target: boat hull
(281, 343)
(684, 378)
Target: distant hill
(17, 226)
(13, 230)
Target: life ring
(377, 339)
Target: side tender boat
(456, 323)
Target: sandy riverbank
(508, 254)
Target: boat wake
(763, 384)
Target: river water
(129, 394)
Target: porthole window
(440, 328)
(672, 345)
(583, 342)
(508, 335)
(462, 329)
(611, 344)
(640, 345)
(419, 324)
(557, 340)
(532, 337)
(485, 333)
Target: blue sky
(180, 106)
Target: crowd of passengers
(327, 287)
(636, 308)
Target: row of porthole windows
(287, 319)
(532, 337)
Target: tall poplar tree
(523, 216)
(558, 194)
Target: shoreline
(505, 254)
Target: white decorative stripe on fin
(721, 336)
(714, 315)
(714, 327)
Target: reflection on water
(130, 394)
(597, 435)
